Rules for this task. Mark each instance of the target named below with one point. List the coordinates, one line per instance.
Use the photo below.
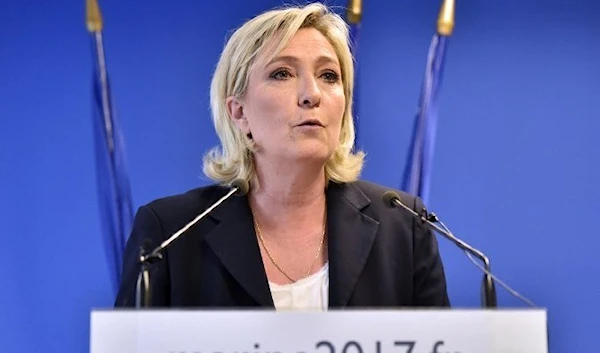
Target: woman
(308, 235)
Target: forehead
(306, 44)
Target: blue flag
(114, 194)
(417, 173)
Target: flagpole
(417, 173)
(114, 192)
(354, 17)
(95, 25)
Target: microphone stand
(488, 289)
(143, 293)
(143, 289)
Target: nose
(309, 93)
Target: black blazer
(378, 256)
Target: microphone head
(241, 185)
(389, 197)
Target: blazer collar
(350, 235)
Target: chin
(314, 153)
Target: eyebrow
(322, 59)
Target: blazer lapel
(351, 234)
(234, 242)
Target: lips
(311, 122)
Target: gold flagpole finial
(354, 12)
(445, 23)
(94, 17)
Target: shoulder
(393, 221)
(180, 208)
(190, 198)
(374, 192)
(367, 199)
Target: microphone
(392, 199)
(143, 296)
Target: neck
(289, 186)
(288, 194)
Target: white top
(310, 293)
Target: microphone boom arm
(489, 299)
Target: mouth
(311, 122)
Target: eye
(280, 74)
(330, 76)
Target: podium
(351, 331)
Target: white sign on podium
(373, 331)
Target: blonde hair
(233, 159)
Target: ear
(235, 109)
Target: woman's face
(294, 104)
